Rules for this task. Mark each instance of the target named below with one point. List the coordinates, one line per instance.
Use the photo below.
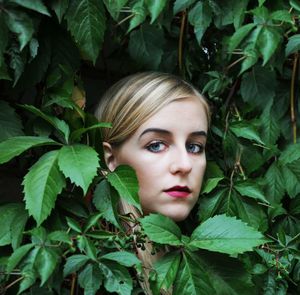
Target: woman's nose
(181, 162)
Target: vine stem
(292, 98)
(14, 282)
(180, 46)
(73, 284)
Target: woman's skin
(168, 154)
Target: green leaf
(46, 262)
(200, 17)
(91, 221)
(99, 234)
(251, 189)
(14, 146)
(191, 277)
(21, 24)
(139, 14)
(161, 229)
(295, 4)
(180, 5)
(226, 235)
(33, 47)
(4, 40)
(124, 180)
(290, 154)
(291, 178)
(60, 236)
(155, 7)
(282, 15)
(145, 46)
(42, 184)
(246, 130)
(17, 256)
(73, 224)
(268, 41)
(210, 184)
(114, 7)
(17, 62)
(79, 163)
(35, 5)
(255, 86)
(58, 124)
(116, 278)
(74, 263)
(60, 7)
(90, 279)
(122, 257)
(87, 23)
(29, 278)
(166, 269)
(14, 218)
(106, 200)
(10, 122)
(293, 45)
(87, 246)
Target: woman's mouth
(178, 191)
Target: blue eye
(194, 148)
(156, 147)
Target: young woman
(159, 128)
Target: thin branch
(180, 46)
(13, 283)
(292, 98)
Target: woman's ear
(109, 156)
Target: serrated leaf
(73, 224)
(42, 184)
(251, 189)
(10, 122)
(17, 256)
(79, 163)
(161, 229)
(200, 17)
(60, 236)
(255, 86)
(293, 45)
(46, 261)
(291, 178)
(21, 24)
(116, 278)
(295, 4)
(58, 124)
(226, 235)
(87, 246)
(191, 277)
(210, 184)
(14, 218)
(90, 279)
(74, 263)
(145, 46)
(282, 15)
(60, 7)
(139, 14)
(17, 62)
(29, 278)
(91, 221)
(166, 269)
(180, 5)
(35, 5)
(246, 130)
(155, 7)
(239, 36)
(14, 146)
(290, 154)
(87, 23)
(114, 7)
(124, 180)
(33, 47)
(122, 257)
(106, 200)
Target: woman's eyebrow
(156, 130)
(199, 133)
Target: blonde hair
(134, 99)
(127, 105)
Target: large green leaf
(21, 24)
(124, 180)
(239, 35)
(14, 218)
(42, 184)
(123, 257)
(139, 14)
(74, 263)
(293, 44)
(180, 5)
(200, 17)
(36, 5)
(291, 178)
(161, 229)
(255, 86)
(60, 7)
(116, 278)
(290, 154)
(10, 122)
(90, 279)
(155, 7)
(79, 163)
(106, 200)
(17, 62)
(246, 130)
(114, 7)
(145, 46)
(14, 146)
(226, 235)
(166, 270)
(87, 23)
(192, 278)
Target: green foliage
(65, 231)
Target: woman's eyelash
(156, 146)
(195, 148)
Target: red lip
(178, 191)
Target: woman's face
(168, 154)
